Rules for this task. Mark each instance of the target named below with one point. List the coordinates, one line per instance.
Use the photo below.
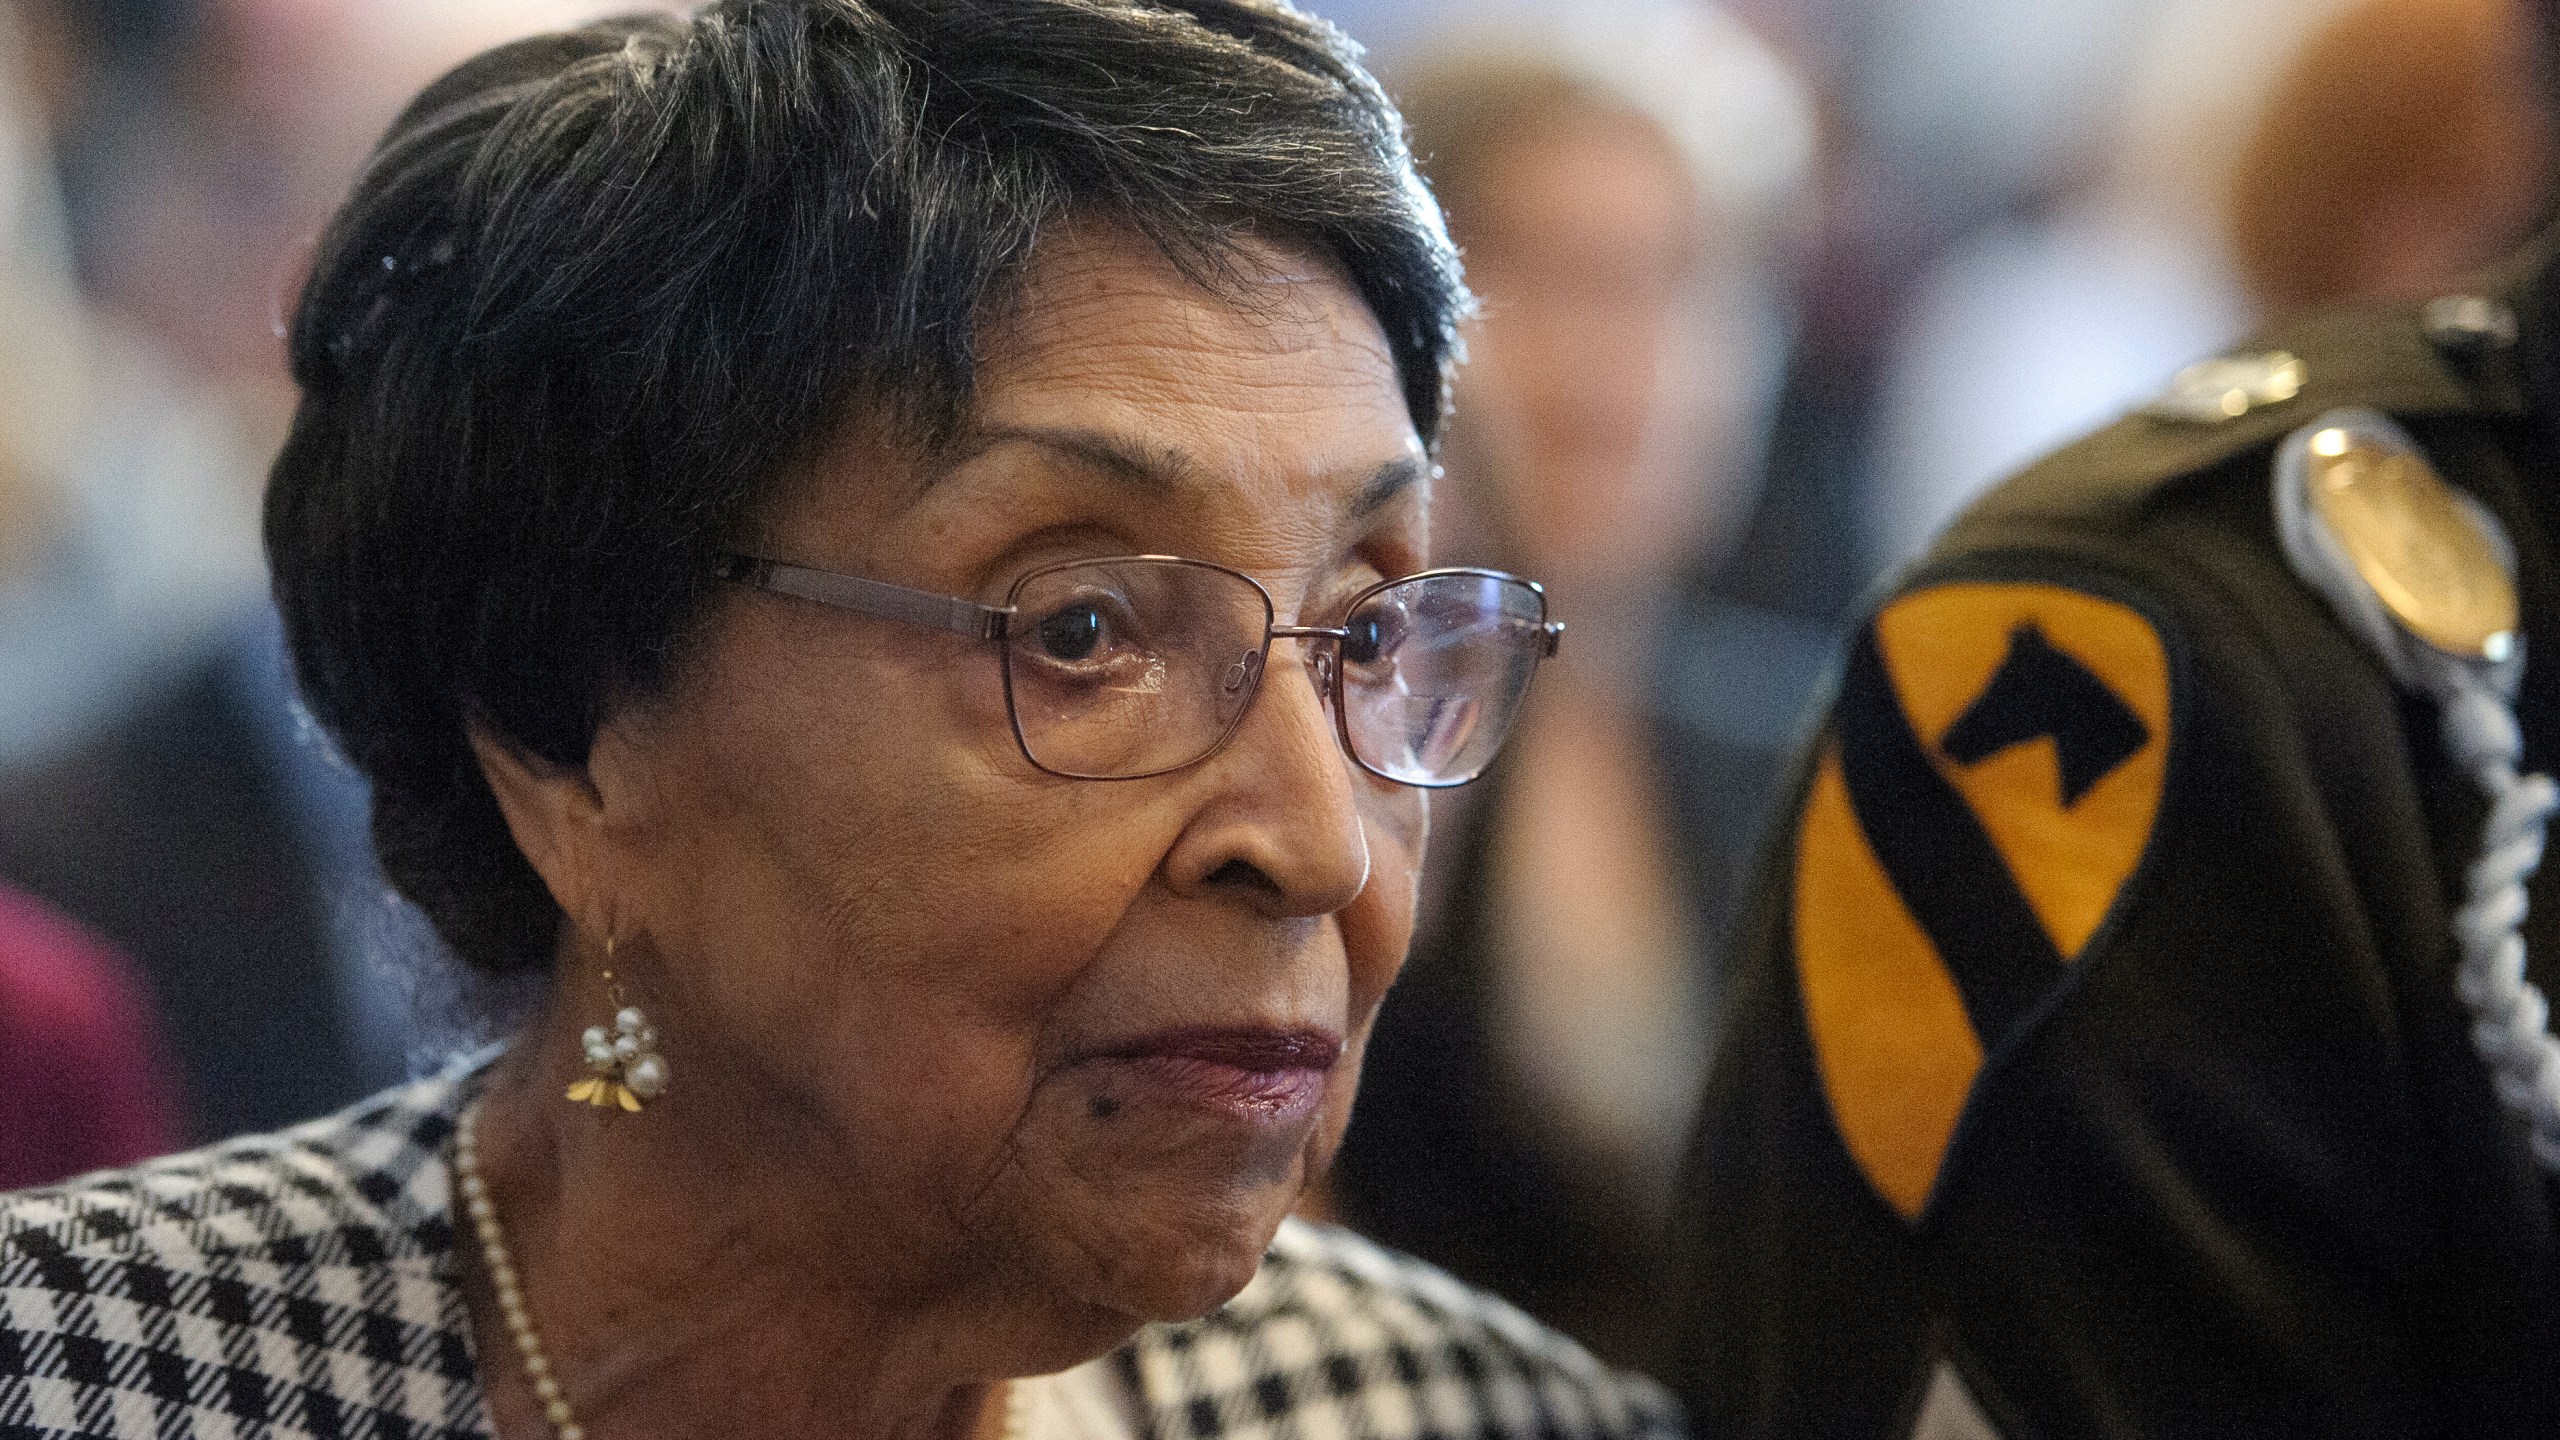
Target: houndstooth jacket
(303, 1284)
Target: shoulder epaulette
(2410, 362)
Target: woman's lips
(1266, 1076)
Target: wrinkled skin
(884, 953)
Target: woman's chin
(1159, 1211)
(1189, 1292)
(1184, 1269)
(1149, 1256)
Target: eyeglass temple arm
(869, 597)
(1550, 635)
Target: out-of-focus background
(1770, 289)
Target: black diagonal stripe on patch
(1940, 859)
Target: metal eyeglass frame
(932, 611)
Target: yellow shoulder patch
(2071, 806)
(1998, 758)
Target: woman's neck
(678, 1292)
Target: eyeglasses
(1123, 668)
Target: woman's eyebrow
(1153, 469)
(1387, 483)
(1158, 469)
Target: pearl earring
(623, 1064)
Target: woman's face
(1075, 1041)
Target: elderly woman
(877, 547)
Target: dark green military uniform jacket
(2095, 1049)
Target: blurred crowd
(1769, 290)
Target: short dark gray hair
(596, 290)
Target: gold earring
(624, 1067)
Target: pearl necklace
(502, 1278)
(501, 1265)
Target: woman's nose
(1279, 822)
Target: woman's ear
(558, 819)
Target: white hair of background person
(1744, 127)
(1743, 123)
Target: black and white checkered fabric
(304, 1284)
(1337, 1339)
(295, 1284)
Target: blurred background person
(156, 782)
(83, 1079)
(2270, 156)
(124, 539)
(1625, 180)
(2408, 146)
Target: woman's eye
(1371, 634)
(1361, 640)
(1071, 634)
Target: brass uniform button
(2227, 387)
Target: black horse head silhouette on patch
(2039, 691)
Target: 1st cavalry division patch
(1997, 761)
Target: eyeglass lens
(1433, 673)
(1123, 668)
(1130, 667)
